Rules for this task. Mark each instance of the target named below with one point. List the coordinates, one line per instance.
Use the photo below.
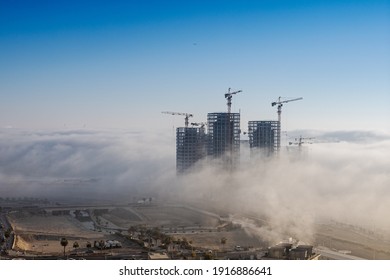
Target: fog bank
(343, 179)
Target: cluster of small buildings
(286, 251)
(108, 244)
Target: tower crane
(229, 96)
(187, 116)
(301, 140)
(201, 124)
(280, 105)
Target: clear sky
(118, 64)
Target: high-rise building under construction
(190, 147)
(263, 137)
(223, 135)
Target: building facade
(223, 135)
(263, 137)
(190, 147)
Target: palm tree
(192, 249)
(208, 255)
(7, 233)
(101, 244)
(132, 230)
(64, 242)
(167, 240)
(75, 245)
(223, 242)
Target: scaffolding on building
(223, 135)
(190, 147)
(263, 137)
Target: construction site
(222, 140)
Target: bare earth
(41, 233)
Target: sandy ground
(157, 216)
(41, 233)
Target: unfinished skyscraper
(223, 135)
(190, 147)
(263, 137)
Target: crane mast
(229, 96)
(187, 116)
(229, 131)
(280, 103)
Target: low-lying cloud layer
(344, 178)
(62, 164)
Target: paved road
(335, 255)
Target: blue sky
(118, 64)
